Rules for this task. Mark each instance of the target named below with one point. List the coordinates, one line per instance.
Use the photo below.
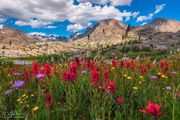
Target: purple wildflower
(84, 72)
(113, 53)
(168, 88)
(18, 84)
(38, 76)
(8, 92)
(173, 72)
(153, 77)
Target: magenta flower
(40, 75)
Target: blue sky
(63, 17)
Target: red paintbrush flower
(102, 89)
(35, 68)
(49, 100)
(111, 87)
(69, 76)
(106, 75)
(95, 79)
(114, 63)
(119, 100)
(47, 69)
(152, 109)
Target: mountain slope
(159, 25)
(106, 32)
(13, 36)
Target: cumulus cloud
(37, 34)
(113, 2)
(121, 2)
(94, 1)
(158, 9)
(85, 13)
(33, 23)
(43, 13)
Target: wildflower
(24, 95)
(39, 76)
(142, 69)
(35, 68)
(168, 88)
(69, 76)
(8, 92)
(47, 69)
(114, 63)
(113, 54)
(106, 75)
(84, 72)
(111, 87)
(129, 78)
(164, 76)
(102, 89)
(113, 68)
(141, 77)
(125, 75)
(153, 77)
(174, 73)
(95, 77)
(119, 100)
(18, 84)
(49, 100)
(135, 88)
(35, 109)
(152, 109)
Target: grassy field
(57, 88)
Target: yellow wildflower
(135, 88)
(112, 68)
(129, 78)
(141, 77)
(35, 109)
(164, 76)
(125, 75)
(24, 95)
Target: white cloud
(75, 27)
(121, 2)
(1, 26)
(159, 8)
(113, 2)
(144, 18)
(51, 27)
(84, 13)
(144, 23)
(47, 12)
(33, 23)
(95, 1)
(37, 34)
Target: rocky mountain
(47, 38)
(159, 25)
(15, 37)
(106, 32)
